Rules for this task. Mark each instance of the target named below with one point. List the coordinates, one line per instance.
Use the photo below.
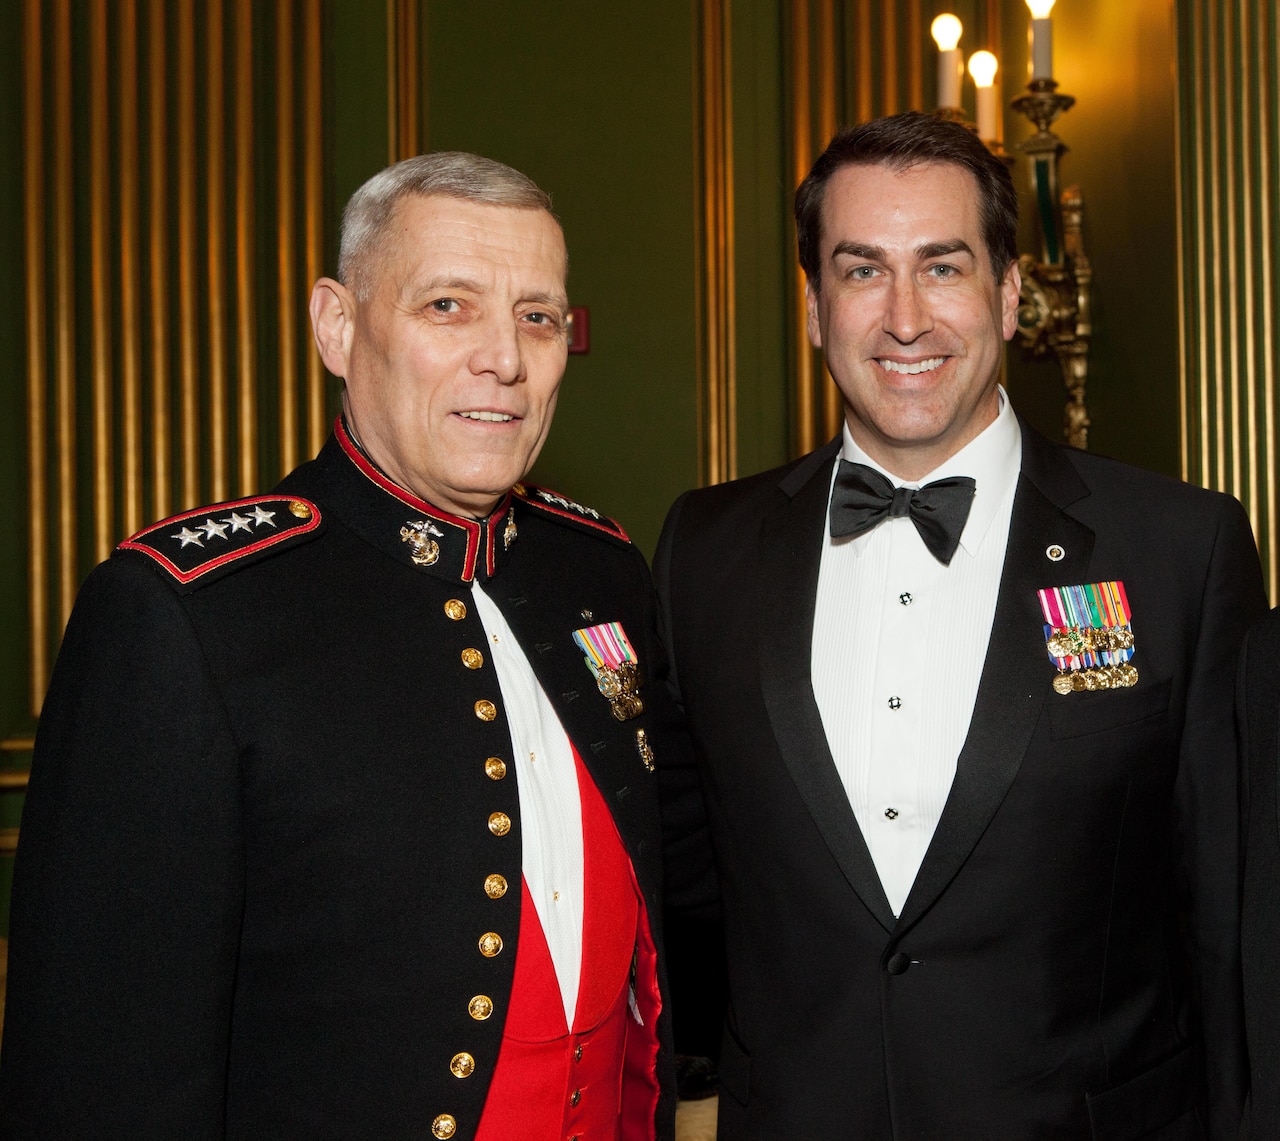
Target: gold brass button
(499, 823)
(301, 510)
(577, 1054)
(480, 1007)
(490, 944)
(495, 768)
(486, 710)
(472, 659)
(495, 886)
(575, 1097)
(462, 1065)
(455, 609)
(444, 1126)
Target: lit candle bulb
(1041, 39)
(946, 30)
(982, 66)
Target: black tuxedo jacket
(1259, 693)
(1066, 965)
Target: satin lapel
(1015, 682)
(786, 587)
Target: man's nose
(499, 351)
(907, 316)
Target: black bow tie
(862, 499)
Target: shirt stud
(895, 703)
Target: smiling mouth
(911, 368)
(488, 417)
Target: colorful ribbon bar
(1089, 635)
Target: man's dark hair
(900, 142)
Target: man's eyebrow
(944, 249)
(857, 250)
(553, 300)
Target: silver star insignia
(213, 529)
(238, 522)
(263, 516)
(188, 537)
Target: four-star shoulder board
(563, 508)
(197, 543)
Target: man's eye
(863, 272)
(943, 270)
(443, 305)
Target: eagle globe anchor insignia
(421, 536)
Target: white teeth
(914, 367)
(493, 417)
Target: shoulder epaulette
(563, 508)
(197, 543)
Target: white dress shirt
(550, 806)
(899, 642)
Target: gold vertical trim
(313, 159)
(1266, 138)
(717, 174)
(188, 265)
(403, 138)
(1203, 466)
(1229, 417)
(889, 59)
(286, 238)
(64, 311)
(802, 159)
(1219, 424)
(246, 310)
(157, 181)
(216, 194)
(33, 197)
(865, 89)
(130, 325)
(832, 404)
(1181, 118)
(1248, 270)
(915, 55)
(100, 281)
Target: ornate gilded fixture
(1054, 310)
(1054, 306)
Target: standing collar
(407, 528)
(992, 459)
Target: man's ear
(811, 309)
(1010, 291)
(333, 322)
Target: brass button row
(462, 1065)
(499, 823)
(486, 710)
(480, 1007)
(472, 659)
(490, 944)
(444, 1126)
(495, 768)
(455, 609)
(495, 886)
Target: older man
(341, 820)
(962, 705)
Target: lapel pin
(1054, 553)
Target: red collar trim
(470, 527)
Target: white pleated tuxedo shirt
(899, 642)
(550, 806)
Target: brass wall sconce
(1054, 308)
(1054, 305)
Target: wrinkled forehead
(428, 236)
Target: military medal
(1089, 635)
(613, 664)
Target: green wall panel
(596, 104)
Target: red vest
(596, 1081)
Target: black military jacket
(271, 781)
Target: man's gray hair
(449, 174)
